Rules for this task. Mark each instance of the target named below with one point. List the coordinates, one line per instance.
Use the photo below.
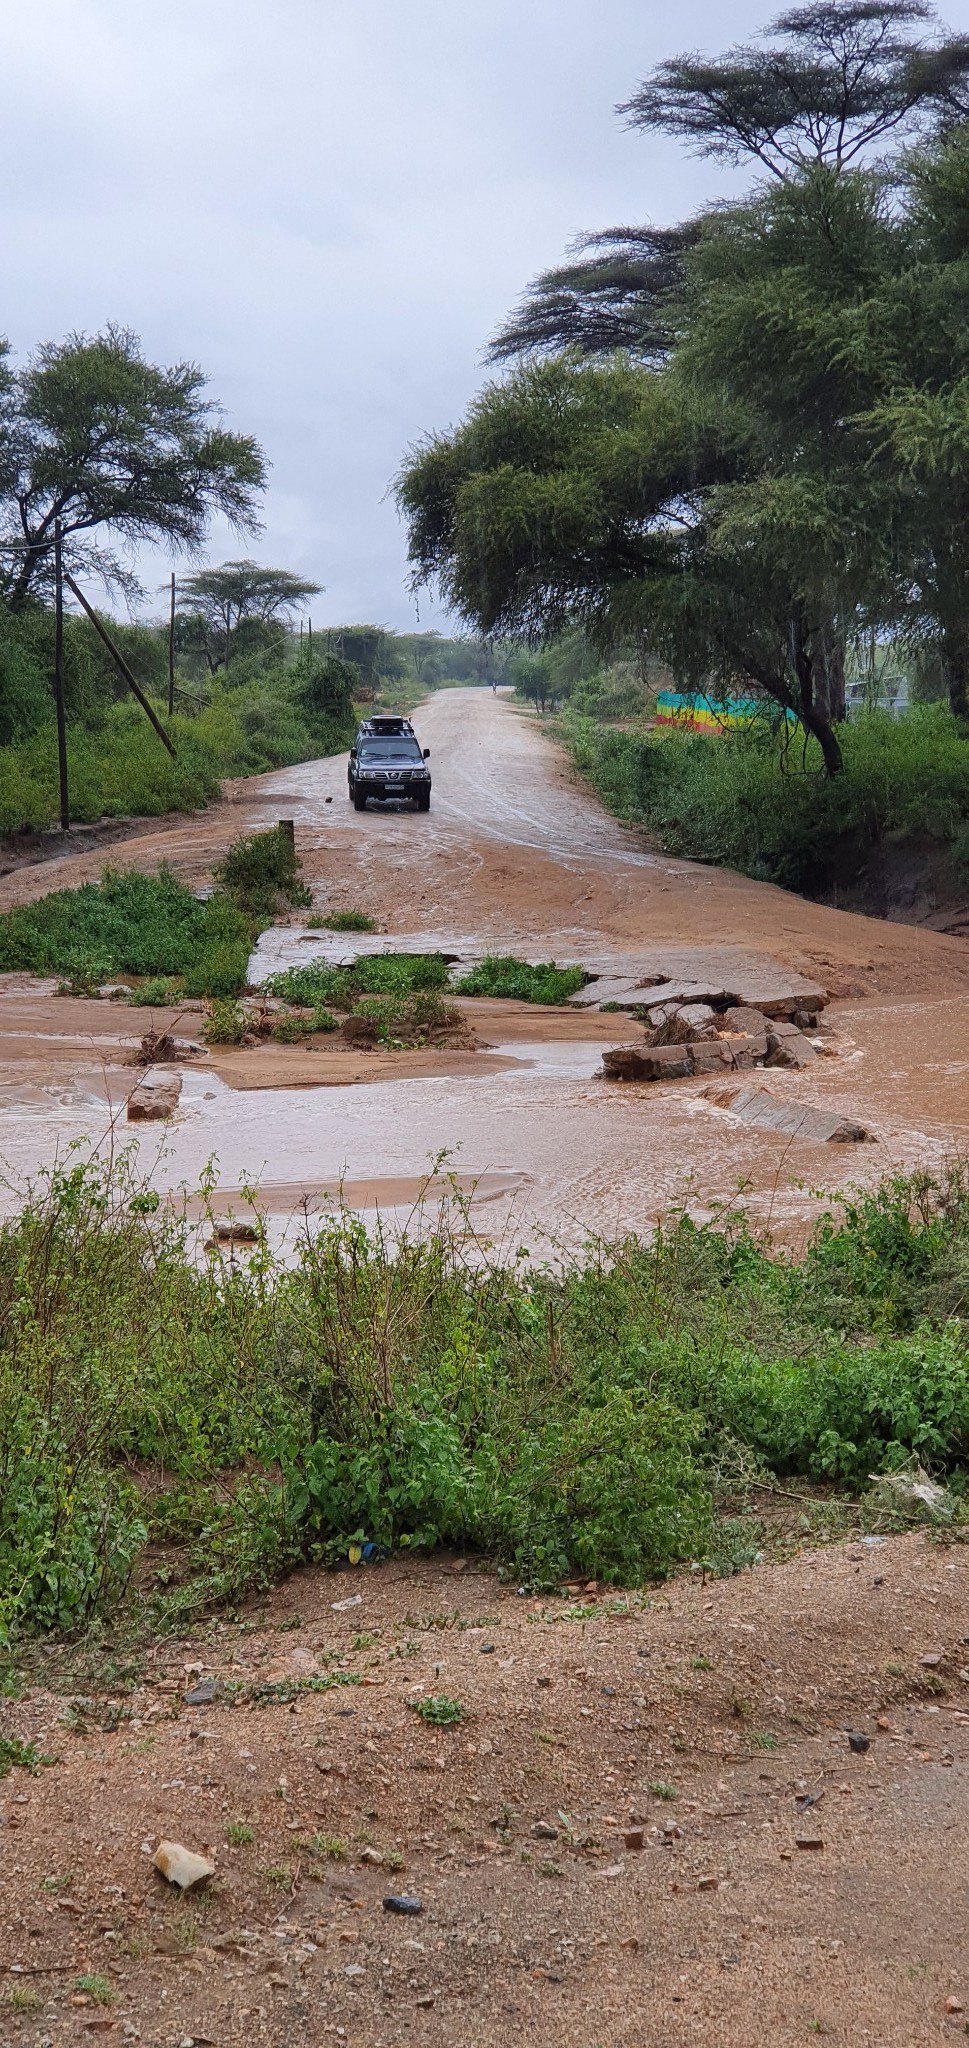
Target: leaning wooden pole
(171, 650)
(120, 662)
(59, 677)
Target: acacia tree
(823, 85)
(722, 507)
(217, 601)
(610, 498)
(908, 346)
(828, 83)
(102, 442)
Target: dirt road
(648, 1827)
(515, 854)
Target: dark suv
(386, 762)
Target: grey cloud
(329, 204)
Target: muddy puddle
(558, 1154)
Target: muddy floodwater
(512, 858)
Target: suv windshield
(389, 750)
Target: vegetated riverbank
(889, 836)
(195, 1426)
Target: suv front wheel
(359, 799)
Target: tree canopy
(823, 85)
(743, 441)
(829, 82)
(217, 601)
(114, 448)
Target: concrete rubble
(155, 1098)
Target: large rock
(741, 1019)
(648, 1063)
(713, 1057)
(155, 1098)
(806, 1120)
(182, 1866)
(787, 1046)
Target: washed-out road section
(514, 857)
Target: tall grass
(759, 801)
(254, 1414)
(117, 766)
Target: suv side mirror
(427, 753)
(353, 753)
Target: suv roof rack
(386, 724)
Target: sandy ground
(606, 1846)
(648, 1826)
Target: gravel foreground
(648, 1824)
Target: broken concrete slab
(155, 1098)
(607, 989)
(787, 1047)
(749, 1023)
(805, 1120)
(650, 1063)
(687, 1025)
(711, 1056)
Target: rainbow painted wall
(698, 713)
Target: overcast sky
(328, 204)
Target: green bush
(130, 923)
(259, 872)
(400, 1018)
(388, 1392)
(758, 801)
(342, 921)
(390, 974)
(501, 976)
(225, 1023)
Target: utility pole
(59, 677)
(171, 651)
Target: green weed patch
(498, 976)
(377, 974)
(390, 1394)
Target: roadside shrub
(128, 923)
(158, 993)
(260, 871)
(342, 921)
(224, 1023)
(758, 800)
(614, 1490)
(406, 1018)
(501, 976)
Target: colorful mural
(707, 714)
